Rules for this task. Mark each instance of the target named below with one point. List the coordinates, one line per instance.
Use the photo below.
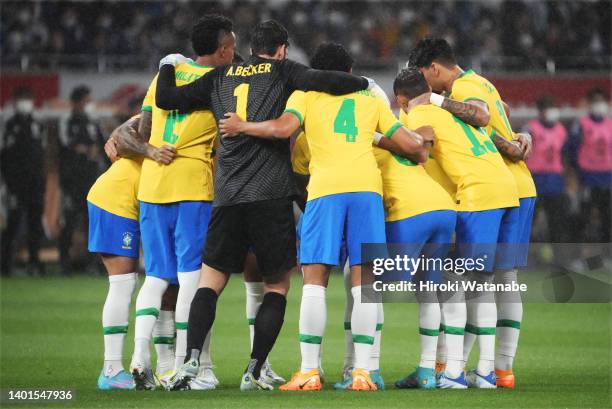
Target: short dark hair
(267, 36)
(544, 102)
(332, 56)
(429, 50)
(207, 31)
(79, 93)
(410, 83)
(23, 92)
(594, 93)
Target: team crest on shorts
(127, 240)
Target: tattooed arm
(473, 112)
(131, 143)
(509, 149)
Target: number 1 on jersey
(345, 120)
(241, 92)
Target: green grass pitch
(52, 338)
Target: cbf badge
(127, 240)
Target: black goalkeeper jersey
(251, 169)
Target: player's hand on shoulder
(230, 125)
(163, 155)
(174, 60)
(110, 148)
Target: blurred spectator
(576, 34)
(22, 170)
(591, 147)
(82, 144)
(547, 168)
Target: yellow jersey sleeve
(296, 104)
(300, 157)
(149, 100)
(387, 122)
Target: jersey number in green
(173, 118)
(345, 120)
(478, 148)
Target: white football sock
(363, 325)
(148, 303)
(115, 317)
(163, 339)
(313, 317)
(375, 357)
(509, 316)
(254, 297)
(429, 329)
(454, 314)
(205, 358)
(188, 285)
(481, 321)
(349, 349)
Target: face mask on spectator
(551, 115)
(24, 106)
(90, 108)
(599, 108)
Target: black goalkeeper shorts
(267, 227)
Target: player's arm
(473, 111)
(280, 128)
(511, 150)
(302, 183)
(131, 144)
(413, 145)
(304, 78)
(192, 96)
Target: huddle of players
(347, 200)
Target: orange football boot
(303, 381)
(362, 381)
(505, 378)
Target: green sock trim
(118, 329)
(148, 311)
(363, 339)
(347, 325)
(509, 324)
(163, 340)
(310, 339)
(379, 327)
(429, 332)
(472, 329)
(251, 321)
(453, 330)
(181, 325)
(442, 327)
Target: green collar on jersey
(198, 65)
(464, 73)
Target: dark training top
(251, 169)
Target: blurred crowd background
(73, 71)
(509, 34)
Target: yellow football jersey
(407, 188)
(116, 190)
(300, 155)
(469, 158)
(340, 132)
(190, 175)
(471, 86)
(432, 167)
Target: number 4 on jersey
(345, 120)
